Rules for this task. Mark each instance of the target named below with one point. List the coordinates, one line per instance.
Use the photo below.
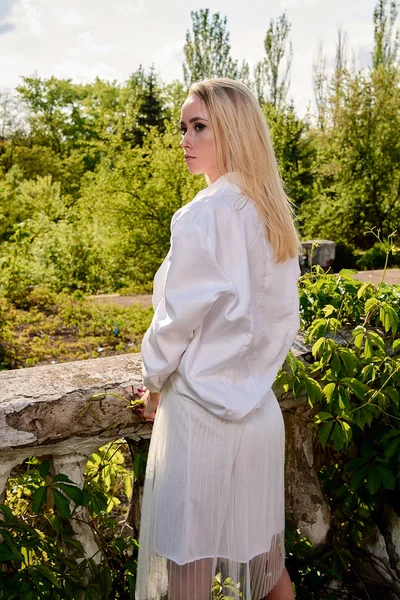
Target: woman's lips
(188, 158)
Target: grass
(47, 327)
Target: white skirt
(212, 522)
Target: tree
(357, 167)
(56, 117)
(12, 128)
(207, 48)
(386, 40)
(293, 150)
(320, 81)
(150, 110)
(274, 70)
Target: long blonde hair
(243, 147)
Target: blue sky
(82, 39)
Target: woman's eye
(183, 130)
(199, 127)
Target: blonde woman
(226, 313)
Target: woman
(226, 314)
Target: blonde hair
(244, 151)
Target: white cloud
(66, 15)
(29, 14)
(86, 44)
(128, 8)
(81, 39)
(169, 54)
(73, 69)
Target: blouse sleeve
(193, 282)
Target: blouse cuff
(150, 386)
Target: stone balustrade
(64, 412)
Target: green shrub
(352, 385)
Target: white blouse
(226, 313)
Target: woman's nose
(185, 142)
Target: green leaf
(98, 502)
(329, 310)
(347, 431)
(355, 463)
(323, 416)
(388, 477)
(48, 573)
(358, 339)
(62, 504)
(363, 416)
(336, 365)
(105, 582)
(344, 402)
(338, 436)
(358, 477)
(374, 480)
(44, 468)
(389, 318)
(370, 304)
(368, 351)
(365, 286)
(7, 554)
(358, 388)
(396, 345)
(317, 329)
(38, 499)
(325, 432)
(349, 360)
(329, 391)
(60, 477)
(393, 394)
(313, 388)
(73, 492)
(6, 510)
(318, 348)
(377, 340)
(55, 521)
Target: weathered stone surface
(304, 497)
(68, 410)
(378, 565)
(44, 405)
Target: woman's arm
(193, 282)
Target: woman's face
(197, 141)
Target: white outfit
(225, 317)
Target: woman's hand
(151, 400)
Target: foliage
(386, 44)
(293, 151)
(356, 170)
(107, 474)
(47, 327)
(352, 385)
(274, 70)
(90, 175)
(207, 53)
(40, 555)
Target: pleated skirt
(212, 524)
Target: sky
(82, 39)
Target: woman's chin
(193, 169)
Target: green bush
(376, 258)
(352, 385)
(40, 555)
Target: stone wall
(65, 411)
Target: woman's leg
(192, 581)
(283, 590)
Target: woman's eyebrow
(193, 119)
